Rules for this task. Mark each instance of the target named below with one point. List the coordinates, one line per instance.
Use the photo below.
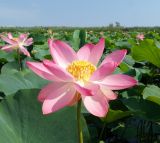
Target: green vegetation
(133, 117)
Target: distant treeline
(98, 29)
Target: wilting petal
(103, 71)
(118, 81)
(10, 36)
(6, 39)
(24, 51)
(116, 57)
(58, 71)
(23, 37)
(42, 71)
(92, 53)
(28, 42)
(110, 95)
(58, 98)
(96, 104)
(7, 48)
(62, 53)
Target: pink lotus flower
(76, 75)
(140, 37)
(16, 43)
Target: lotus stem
(80, 133)
(19, 60)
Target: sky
(81, 13)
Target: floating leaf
(114, 115)
(147, 51)
(12, 80)
(21, 121)
(152, 93)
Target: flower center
(15, 39)
(81, 70)
(19, 43)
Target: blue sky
(79, 12)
